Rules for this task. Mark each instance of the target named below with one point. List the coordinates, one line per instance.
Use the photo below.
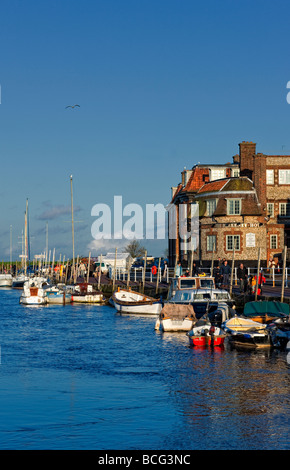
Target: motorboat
(279, 331)
(246, 333)
(57, 295)
(33, 293)
(85, 293)
(205, 334)
(207, 331)
(189, 283)
(128, 301)
(6, 280)
(266, 311)
(174, 317)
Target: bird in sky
(73, 106)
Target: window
(211, 243)
(270, 176)
(273, 242)
(284, 209)
(233, 240)
(234, 206)
(236, 173)
(210, 207)
(217, 174)
(270, 209)
(284, 176)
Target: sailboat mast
(72, 223)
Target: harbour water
(85, 377)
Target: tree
(135, 249)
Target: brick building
(245, 204)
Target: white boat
(85, 293)
(56, 295)
(33, 293)
(128, 301)
(18, 281)
(175, 317)
(247, 333)
(6, 280)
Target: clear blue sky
(161, 84)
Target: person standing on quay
(225, 274)
(178, 270)
(242, 277)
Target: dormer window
(217, 174)
(234, 206)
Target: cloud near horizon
(56, 211)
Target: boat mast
(72, 224)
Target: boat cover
(178, 310)
(277, 309)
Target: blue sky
(161, 84)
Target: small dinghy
(176, 317)
(56, 295)
(246, 333)
(128, 301)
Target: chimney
(247, 157)
(259, 179)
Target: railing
(273, 276)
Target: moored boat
(175, 318)
(128, 301)
(263, 311)
(205, 334)
(56, 295)
(33, 293)
(6, 280)
(85, 293)
(246, 333)
(279, 331)
(18, 281)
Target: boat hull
(6, 282)
(127, 301)
(87, 299)
(59, 299)
(151, 309)
(33, 300)
(205, 340)
(175, 325)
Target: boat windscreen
(206, 283)
(187, 283)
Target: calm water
(84, 377)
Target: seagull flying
(73, 106)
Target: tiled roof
(213, 186)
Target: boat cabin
(192, 283)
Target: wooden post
(144, 271)
(283, 273)
(258, 274)
(191, 263)
(100, 272)
(158, 273)
(89, 264)
(232, 271)
(114, 274)
(52, 267)
(128, 272)
(212, 260)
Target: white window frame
(219, 172)
(269, 176)
(273, 242)
(284, 176)
(210, 206)
(235, 173)
(270, 209)
(230, 240)
(211, 243)
(236, 210)
(284, 209)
